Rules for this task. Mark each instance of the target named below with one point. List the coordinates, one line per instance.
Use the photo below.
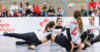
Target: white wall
(30, 24)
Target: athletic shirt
(74, 31)
(41, 35)
(93, 28)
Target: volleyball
(71, 6)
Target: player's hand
(79, 47)
(73, 46)
(60, 30)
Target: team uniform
(93, 29)
(74, 30)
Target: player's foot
(31, 47)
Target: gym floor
(7, 44)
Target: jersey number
(73, 32)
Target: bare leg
(53, 36)
(44, 40)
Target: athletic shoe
(31, 47)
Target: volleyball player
(93, 29)
(32, 37)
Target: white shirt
(41, 35)
(74, 30)
(93, 28)
(13, 7)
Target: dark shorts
(63, 41)
(32, 38)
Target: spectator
(92, 6)
(1, 14)
(24, 12)
(51, 11)
(28, 9)
(22, 6)
(13, 7)
(83, 11)
(15, 13)
(44, 9)
(31, 14)
(19, 14)
(94, 13)
(28, 6)
(98, 6)
(1, 8)
(98, 11)
(60, 11)
(36, 9)
(5, 12)
(9, 14)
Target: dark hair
(58, 19)
(34, 5)
(92, 0)
(49, 25)
(77, 15)
(27, 4)
(21, 4)
(50, 7)
(14, 2)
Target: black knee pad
(90, 36)
(48, 36)
(84, 34)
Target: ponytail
(80, 24)
(77, 15)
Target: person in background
(31, 14)
(44, 9)
(28, 8)
(36, 9)
(94, 13)
(98, 12)
(51, 11)
(22, 6)
(15, 13)
(83, 11)
(92, 6)
(1, 8)
(98, 9)
(19, 14)
(59, 11)
(14, 6)
(9, 14)
(23, 13)
(1, 14)
(98, 5)
(5, 12)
